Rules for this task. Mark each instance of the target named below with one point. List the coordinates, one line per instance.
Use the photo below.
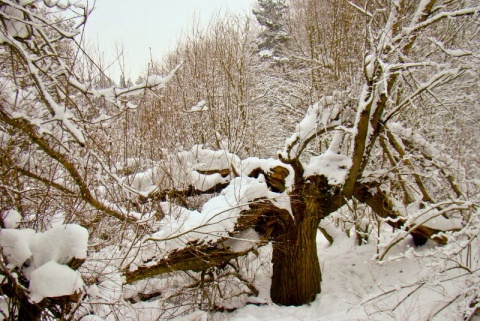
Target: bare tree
(213, 97)
(359, 136)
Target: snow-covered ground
(356, 286)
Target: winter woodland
(316, 160)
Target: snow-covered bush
(39, 269)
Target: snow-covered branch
(406, 32)
(324, 116)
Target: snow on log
(217, 219)
(255, 226)
(204, 171)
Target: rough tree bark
(296, 274)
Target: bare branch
(62, 159)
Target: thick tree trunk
(296, 271)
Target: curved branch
(321, 117)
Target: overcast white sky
(144, 24)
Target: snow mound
(60, 244)
(91, 318)
(11, 218)
(200, 106)
(53, 280)
(15, 244)
(331, 165)
(42, 257)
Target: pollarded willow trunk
(296, 271)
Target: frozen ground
(356, 286)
